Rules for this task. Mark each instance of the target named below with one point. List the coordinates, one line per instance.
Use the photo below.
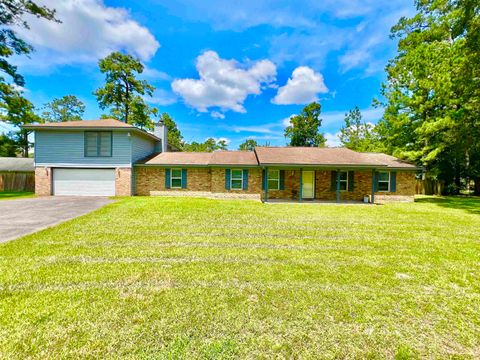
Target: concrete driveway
(24, 216)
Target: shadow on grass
(14, 194)
(469, 204)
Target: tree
(8, 146)
(11, 16)
(356, 134)
(123, 93)
(66, 108)
(208, 146)
(18, 111)
(175, 137)
(304, 128)
(248, 145)
(432, 91)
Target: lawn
(195, 278)
(7, 195)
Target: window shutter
(351, 177)
(375, 181)
(264, 180)
(282, 179)
(184, 178)
(245, 179)
(167, 178)
(227, 179)
(393, 182)
(333, 185)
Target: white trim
(277, 179)
(177, 178)
(383, 181)
(83, 166)
(231, 179)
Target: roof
(326, 157)
(244, 158)
(104, 124)
(278, 156)
(16, 164)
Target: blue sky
(233, 70)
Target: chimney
(160, 131)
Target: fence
(17, 181)
(429, 187)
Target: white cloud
(302, 88)
(161, 97)
(223, 83)
(227, 140)
(217, 115)
(154, 74)
(89, 30)
(333, 140)
(287, 121)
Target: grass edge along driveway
(197, 278)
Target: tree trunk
(467, 172)
(127, 101)
(477, 186)
(25, 143)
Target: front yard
(10, 195)
(189, 278)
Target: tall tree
(8, 146)
(248, 145)
(123, 92)
(208, 146)
(12, 13)
(432, 97)
(358, 135)
(18, 111)
(66, 108)
(304, 128)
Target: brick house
(108, 157)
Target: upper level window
(98, 143)
(273, 179)
(236, 181)
(384, 181)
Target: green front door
(308, 184)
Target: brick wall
(123, 181)
(153, 179)
(43, 181)
(292, 187)
(254, 181)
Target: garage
(84, 182)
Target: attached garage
(84, 182)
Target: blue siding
(142, 147)
(67, 147)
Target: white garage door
(84, 182)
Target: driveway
(24, 216)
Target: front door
(308, 184)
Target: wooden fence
(17, 181)
(429, 187)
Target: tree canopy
(66, 108)
(432, 92)
(358, 135)
(123, 93)
(304, 128)
(248, 145)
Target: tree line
(431, 96)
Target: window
(98, 143)
(343, 180)
(236, 181)
(273, 179)
(176, 179)
(384, 181)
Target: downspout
(373, 186)
(266, 184)
(300, 193)
(338, 185)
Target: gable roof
(310, 156)
(102, 124)
(16, 164)
(244, 158)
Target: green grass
(7, 195)
(177, 278)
